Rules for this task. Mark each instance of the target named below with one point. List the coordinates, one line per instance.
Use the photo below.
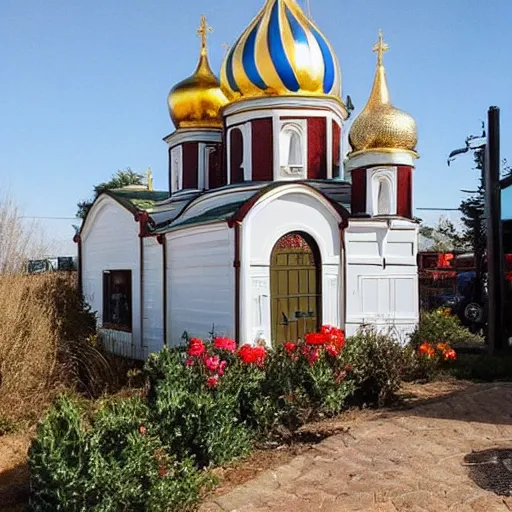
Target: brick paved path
(402, 461)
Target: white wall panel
(201, 290)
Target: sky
(84, 85)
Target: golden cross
(380, 47)
(203, 31)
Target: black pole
(494, 233)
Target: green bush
(113, 462)
(441, 327)
(483, 367)
(193, 419)
(58, 460)
(376, 361)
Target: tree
(119, 180)
(444, 237)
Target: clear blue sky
(84, 84)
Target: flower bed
(204, 406)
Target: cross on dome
(380, 47)
(203, 31)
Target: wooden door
(295, 287)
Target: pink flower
(311, 354)
(189, 362)
(212, 381)
(222, 367)
(332, 350)
(224, 344)
(212, 363)
(340, 377)
(196, 347)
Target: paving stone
(407, 461)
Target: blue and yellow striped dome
(281, 53)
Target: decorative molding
(375, 158)
(193, 135)
(283, 102)
(295, 127)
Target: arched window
(292, 150)
(384, 198)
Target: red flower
(290, 347)
(224, 344)
(189, 362)
(162, 471)
(332, 350)
(450, 355)
(212, 363)
(212, 381)
(143, 430)
(316, 338)
(333, 335)
(196, 347)
(426, 349)
(252, 355)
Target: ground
(415, 457)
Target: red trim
(236, 157)
(242, 212)
(358, 200)
(404, 192)
(236, 265)
(317, 148)
(336, 149)
(190, 165)
(262, 150)
(162, 241)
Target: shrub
(196, 409)
(308, 378)
(115, 461)
(428, 361)
(376, 362)
(483, 367)
(442, 327)
(58, 460)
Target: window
(384, 198)
(117, 299)
(292, 150)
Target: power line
(439, 209)
(49, 218)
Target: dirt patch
(14, 476)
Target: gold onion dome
(196, 101)
(381, 126)
(281, 53)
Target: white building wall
(382, 276)
(153, 278)
(200, 282)
(294, 208)
(110, 241)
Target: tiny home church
(266, 231)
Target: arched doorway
(295, 287)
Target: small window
(117, 299)
(292, 150)
(384, 198)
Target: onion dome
(196, 101)
(281, 53)
(381, 126)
